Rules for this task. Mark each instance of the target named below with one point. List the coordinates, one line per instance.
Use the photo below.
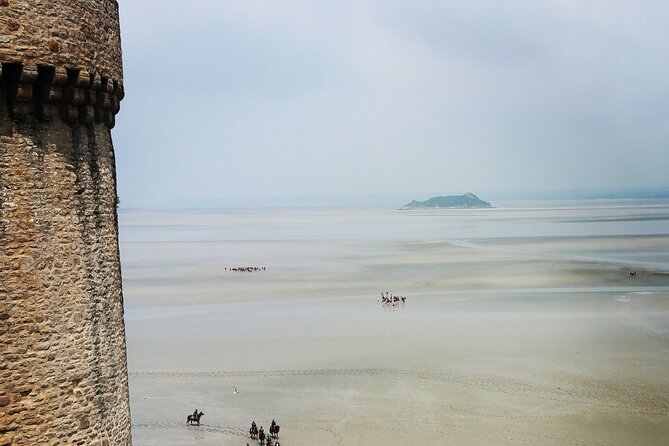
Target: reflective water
(523, 225)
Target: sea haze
(579, 218)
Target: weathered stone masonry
(63, 375)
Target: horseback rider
(195, 413)
(273, 423)
(253, 423)
(261, 431)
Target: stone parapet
(47, 91)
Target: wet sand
(503, 340)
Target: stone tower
(63, 374)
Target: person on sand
(195, 413)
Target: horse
(274, 430)
(194, 418)
(253, 432)
(261, 437)
(632, 273)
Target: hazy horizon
(394, 201)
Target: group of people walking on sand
(265, 439)
(246, 269)
(389, 298)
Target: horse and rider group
(265, 439)
(271, 439)
(389, 298)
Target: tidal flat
(522, 325)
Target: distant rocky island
(468, 200)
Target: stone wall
(63, 375)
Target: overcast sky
(291, 98)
